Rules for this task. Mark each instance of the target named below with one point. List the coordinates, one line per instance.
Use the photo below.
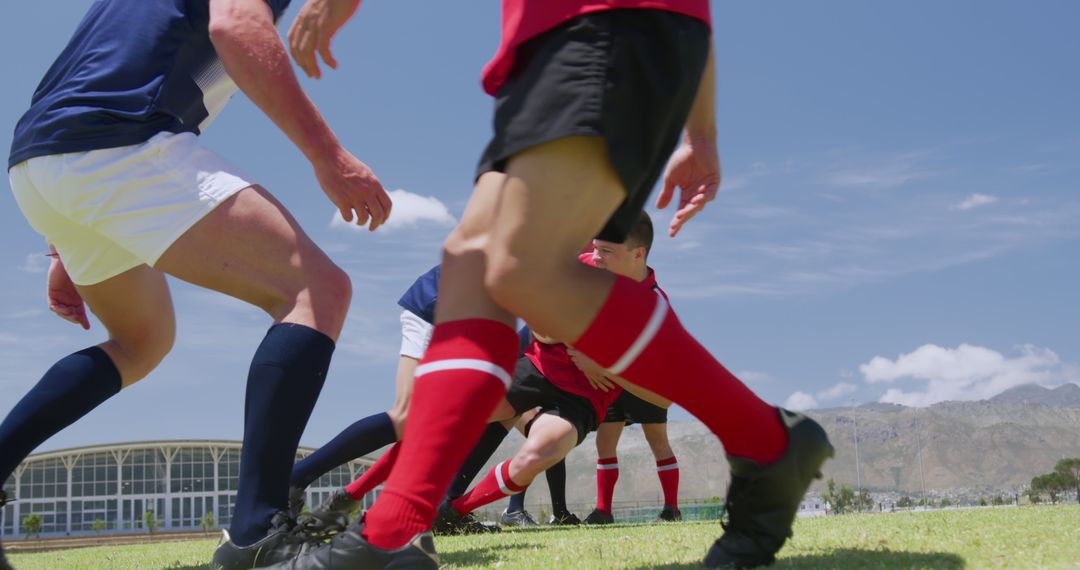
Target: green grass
(1028, 537)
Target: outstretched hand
(354, 189)
(593, 372)
(695, 169)
(314, 27)
(63, 298)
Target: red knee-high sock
(668, 472)
(607, 473)
(463, 375)
(496, 485)
(375, 474)
(637, 336)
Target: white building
(180, 481)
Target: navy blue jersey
(133, 69)
(420, 298)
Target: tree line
(1064, 478)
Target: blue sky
(899, 219)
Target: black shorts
(531, 389)
(629, 76)
(630, 409)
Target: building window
(192, 471)
(53, 515)
(45, 479)
(94, 475)
(229, 470)
(144, 473)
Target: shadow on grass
(854, 558)
(481, 556)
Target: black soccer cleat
(762, 501)
(297, 500)
(448, 523)
(349, 550)
(564, 519)
(331, 516)
(669, 513)
(283, 541)
(4, 564)
(517, 518)
(599, 517)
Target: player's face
(615, 257)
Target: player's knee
(140, 353)
(331, 291)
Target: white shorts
(415, 335)
(110, 210)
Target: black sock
(517, 503)
(369, 434)
(68, 391)
(485, 448)
(556, 479)
(286, 376)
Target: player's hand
(354, 189)
(596, 375)
(314, 27)
(63, 298)
(695, 168)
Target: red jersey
(554, 363)
(526, 19)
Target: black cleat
(599, 517)
(517, 518)
(762, 501)
(448, 522)
(330, 517)
(297, 500)
(564, 519)
(4, 564)
(669, 514)
(349, 550)
(283, 541)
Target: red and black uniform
(624, 70)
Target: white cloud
(966, 372)
(35, 263)
(410, 210)
(974, 201)
(800, 401)
(836, 392)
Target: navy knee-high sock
(68, 391)
(556, 480)
(517, 502)
(286, 376)
(485, 448)
(363, 437)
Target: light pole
(858, 474)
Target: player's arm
(647, 395)
(695, 166)
(594, 373)
(247, 42)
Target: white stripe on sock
(667, 467)
(606, 466)
(502, 483)
(465, 364)
(643, 339)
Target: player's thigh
(550, 439)
(461, 283)
(136, 309)
(250, 247)
(607, 438)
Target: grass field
(1028, 537)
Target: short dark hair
(641, 235)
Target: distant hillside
(1064, 395)
(1002, 442)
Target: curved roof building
(182, 482)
